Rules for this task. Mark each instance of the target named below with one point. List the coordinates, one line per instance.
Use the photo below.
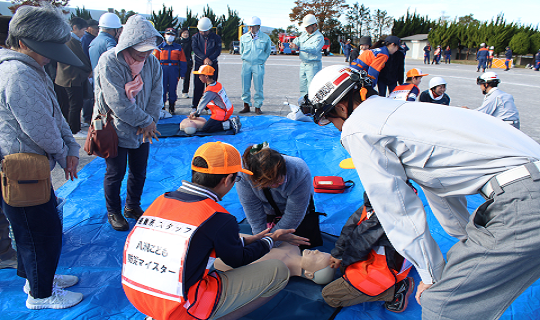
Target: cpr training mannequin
(310, 264)
(190, 126)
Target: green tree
(381, 23)
(191, 20)
(292, 30)
(520, 43)
(124, 15)
(358, 20)
(411, 24)
(81, 13)
(324, 11)
(36, 3)
(164, 19)
(535, 43)
(209, 13)
(229, 26)
(467, 20)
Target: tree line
(463, 33)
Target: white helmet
(309, 20)
(204, 24)
(109, 20)
(330, 85)
(488, 77)
(482, 44)
(492, 47)
(436, 81)
(255, 21)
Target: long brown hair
(267, 165)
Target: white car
(273, 49)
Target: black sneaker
(236, 124)
(118, 222)
(134, 213)
(404, 289)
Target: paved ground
(281, 83)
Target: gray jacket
(111, 75)
(292, 197)
(30, 118)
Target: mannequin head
(316, 266)
(191, 126)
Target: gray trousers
(500, 258)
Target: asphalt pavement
(282, 84)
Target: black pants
(75, 103)
(198, 86)
(137, 159)
(187, 78)
(383, 86)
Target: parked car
(235, 47)
(273, 49)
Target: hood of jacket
(137, 29)
(8, 54)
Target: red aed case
(331, 184)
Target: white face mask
(169, 38)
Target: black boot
(171, 106)
(118, 222)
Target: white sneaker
(185, 96)
(61, 281)
(80, 135)
(60, 299)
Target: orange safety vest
(404, 91)
(155, 256)
(372, 276)
(170, 57)
(218, 113)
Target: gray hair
(42, 24)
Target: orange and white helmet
(330, 85)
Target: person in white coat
(309, 44)
(255, 50)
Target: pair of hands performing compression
(285, 235)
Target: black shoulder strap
(268, 196)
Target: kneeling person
(168, 254)
(215, 98)
(409, 91)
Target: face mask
(169, 38)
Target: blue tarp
(92, 250)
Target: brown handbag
(26, 179)
(102, 139)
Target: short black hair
(206, 179)
(92, 23)
(79, 22)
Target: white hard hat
(109, 20)
(330, 85)
(255, 21)
(482, 44)
(309, 20)
(436, 81)
(488, 77)
(204, 24)
(492, 47)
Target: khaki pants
(339, 293)
(246, 284)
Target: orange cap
(206, 70)
(222, 158)
(414, 72)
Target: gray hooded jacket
(30, 118)
(111, 75)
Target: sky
(275, 13)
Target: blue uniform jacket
(174, 58)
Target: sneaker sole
(52, 306)
(411, 289)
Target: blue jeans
(482, 63)
(137, 159)
(38, 234)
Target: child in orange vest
(372, 269)
(215, 98)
